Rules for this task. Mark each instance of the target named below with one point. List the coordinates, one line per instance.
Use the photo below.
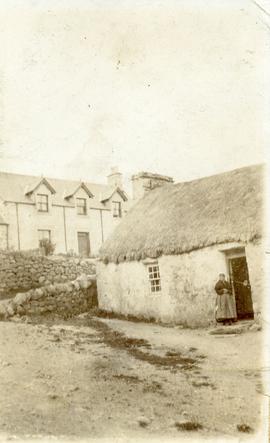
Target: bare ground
(92, 378)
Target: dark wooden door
(241, 286)
(84, 244)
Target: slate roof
(18, 187)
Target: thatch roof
(178, 218)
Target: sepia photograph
(134, 213)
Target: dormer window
(42, 203)
(81, 206)
(117, 209)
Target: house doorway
(241, 286)
(83, 244)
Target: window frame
(154, 278)
(41, 204)
(84, 206)
(117, 209)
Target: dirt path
(93, 378)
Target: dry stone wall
(63, 299)
(24, 271)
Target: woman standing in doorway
(225, 304)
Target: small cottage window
(42, 203)
(81, 206)
(117, 209)
(154, 278)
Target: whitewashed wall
(187, 296)
(256, 259)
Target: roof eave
(42, 181)
(84, 187)
(120, 192)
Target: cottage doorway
(83, 244)
(241, 287)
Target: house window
(44, 234)
(81, 206)
(117, 209)
(154, 278)
(42, 203)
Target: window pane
(117, 210)
(81, 206)
(154, 278)
(42, 202)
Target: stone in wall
(23, 271)
(63, 299)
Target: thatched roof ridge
(179, 218)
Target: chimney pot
(146, 181)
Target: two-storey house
(76, 216)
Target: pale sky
(175, 87)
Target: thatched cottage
(163, 259)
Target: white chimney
(114, 179)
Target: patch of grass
(133, 342)
(165, 361)
(153, 387)
(128, 378)
(119, 340)
(244, 428)
(112, 315)
(188, 426)
(171, 354)
(229, 330)
(199, 384)
(136, 347)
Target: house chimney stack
(114, 179)
(146, 181)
